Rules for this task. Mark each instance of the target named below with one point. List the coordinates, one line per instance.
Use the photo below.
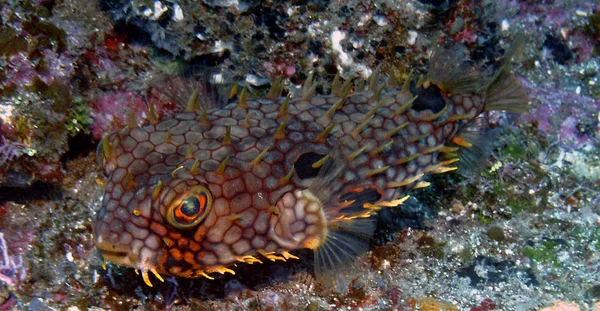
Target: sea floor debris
(522, 233)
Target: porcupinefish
(256, 179)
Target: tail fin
(499, 89)
(506, 93)
(451, 71)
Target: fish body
(257, 179)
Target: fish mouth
(118, 254)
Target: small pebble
(496, 233)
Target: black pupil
(190, 207)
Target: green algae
(546, 252)
(496, 233)
(519, 144)
(588, 239)
(10, 43)
(592, 30)
(168, 65)
(58, 93)
(80, 120)
(47, 35)
(77, 114)
(46, 116)
(431, 247)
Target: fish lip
(118, 254)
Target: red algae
(111, 50)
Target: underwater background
(519, 230)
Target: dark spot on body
(303, 166)
(429, 98)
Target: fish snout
(112, 249)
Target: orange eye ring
(191, 209)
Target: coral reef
(11, 267)
(519, 232)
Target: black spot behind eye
(304, 165)
(429, 98)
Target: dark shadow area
(392, 220)
(125, 282)
(37, 191)
(498, 271)
(79, 146)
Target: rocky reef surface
(520, 232)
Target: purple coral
(558, 17)
(11, 267)
(10, 151)
(111, 111)
(562, 110)
(23, 72)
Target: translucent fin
(506, 93)
(345, 242)
(449, 70)
(329, 180)
(350, 224)
(473, 159)
(181, 89)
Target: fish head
(192, 219)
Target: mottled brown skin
(256, 211)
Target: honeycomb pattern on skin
(248, 156)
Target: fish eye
(191, 209)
